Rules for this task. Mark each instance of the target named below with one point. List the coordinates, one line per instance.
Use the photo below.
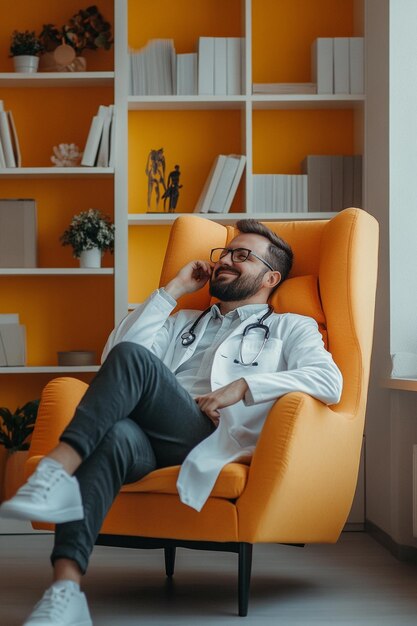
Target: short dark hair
(279, 253)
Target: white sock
(51, 462)
(61, 584)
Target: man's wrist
(174, 289)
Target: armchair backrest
(338, 255)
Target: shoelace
(41, 482)
(53, 604)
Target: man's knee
(129, 349)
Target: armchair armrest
(303, 473)
(59, 400)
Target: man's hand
(190, 278)
(211, 402)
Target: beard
(241, 288)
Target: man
(192, 388)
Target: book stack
(9, 145)
(284, 88)
(337, 65)
(274, 193)
(220, 67)
(12, 341)
(221, 184)
(152, 69)
(334, 182)
(99, 147)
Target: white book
(112, 147)
(347, 182)
(2, 157)
(357, 181)
(224, 183)
(356, 63)
(14, 140)
(206, 66)
(104, 149)
(203, 202)
(235, 183)
(9, 318)
(322, 64)
(311, 166)
(187, 74)
(304, 195)
(234, 65)
(93, 141)
(337, 183)
(6, 140)
(280, 189)
(220, 66)
(325, 183)
(18, 233)
(341, 64)
(12, 345)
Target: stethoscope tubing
(188, 337)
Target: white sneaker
(50, 495)
(63, 604)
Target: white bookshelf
(49, 369)
(56, 271)
(152, 219)
(56, 79)
(50, 172)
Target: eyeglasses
(238, 255)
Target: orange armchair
(307, 457)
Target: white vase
(90, 258)
(26, 63)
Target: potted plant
(15, 430)
(90, 234)
(25, 48)
(86, 30)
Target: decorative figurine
(155, 171)
(66, 155)
(172, 192)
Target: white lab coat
(293, 359)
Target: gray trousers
(135, 417)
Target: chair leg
(169, 560)
(245, 568)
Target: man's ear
(272, 279)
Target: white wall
(391, 196)
(403, 174)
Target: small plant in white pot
(90, 234)
(15, 430)
(25, 48)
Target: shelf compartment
(145, 219)
(48, 172)
(57, 79)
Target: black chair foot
(169, 560)
(245, 568)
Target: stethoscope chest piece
(187, 338)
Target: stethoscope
(188, 337)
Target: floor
(354, 582)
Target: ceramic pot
(14, 476)
(90, 258)
(26, 63)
